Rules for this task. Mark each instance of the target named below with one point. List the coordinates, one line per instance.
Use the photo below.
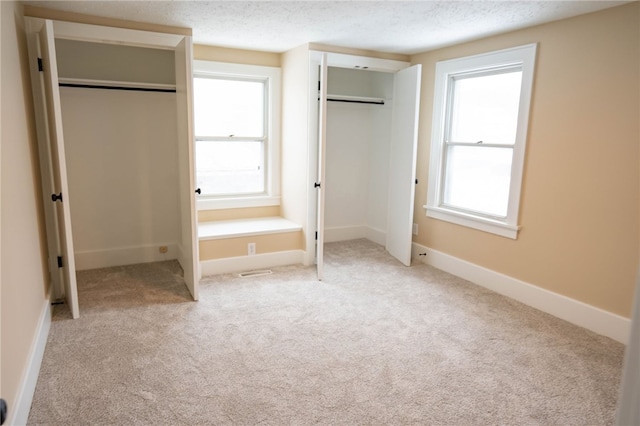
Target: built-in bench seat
(222, 229)
(224, 244)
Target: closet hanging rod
(100, 86)
(356, 101)
(115, 85)
(332, 97)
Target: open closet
(113, 115)
(357, 154)
(367, 141)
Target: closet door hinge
(316, 235)
(60, 265)
(40, 68)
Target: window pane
(228, 107)
(486, 108)
(477, 178)
(230, 167)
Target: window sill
(236, 203)
(481, 224)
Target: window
(481, 112)
(236, 117)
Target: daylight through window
(230, 135)
(236, 113)
(481, 108)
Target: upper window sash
(264, 85)
(452, 102)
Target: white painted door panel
(322, 153)
(188, 256)
(46, 170)
(402, 162)
(55, 141)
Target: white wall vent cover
(257, 273)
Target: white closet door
(402, 162)
(628, 412)
(46, 170)
(188, 256)
(54, 141)
(322, 153)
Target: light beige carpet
(375, 343)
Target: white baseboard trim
(179, 253)
(248, 263)
(346, 233)
(378, 236)
(93, 259)
(19, 413)
(571, 310)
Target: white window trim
(272, 183)
(523, 56)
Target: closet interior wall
(357, 155)
(121, 152)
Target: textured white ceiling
(388, 26)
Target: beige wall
(121, 145)
(24, 285)
(359, 52)
(230, 214)
(580, 198)
(295, 138)
(103, 61)
(272, 59)
(236, 56)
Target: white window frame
(272, 76)
(522, 57)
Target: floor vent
(255, 273)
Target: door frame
(316, 67)
(320, 183)
(182, 46)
